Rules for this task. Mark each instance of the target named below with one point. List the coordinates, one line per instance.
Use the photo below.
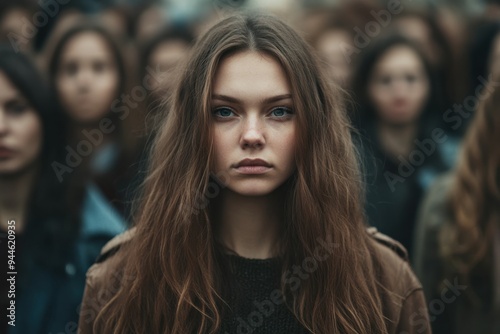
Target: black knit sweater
(256, 305)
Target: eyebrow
(266, 100)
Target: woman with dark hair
(58, 228)
(457, 244)
(398, 118)
(163, 53)
(87, 71)
(251, 218)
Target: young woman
(87, 72)
(251, 219)
(457, 253)
(398, 115)
(59, 227)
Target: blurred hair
(480, 49)
(180, 269)
(467, 239)
(53, 217)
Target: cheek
(381, 101)
(31, 137)
(420, 95)
(220, 149)
(65, 89)
(286, 142)
(107, 85)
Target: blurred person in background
(334, 43)
(397, 100)
(425, 29)
(149, 20)
(59, 227)
(87, 71)
(16, 27)
(163, 53)
(457, 243)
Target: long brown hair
(474, 199)
(175, 257)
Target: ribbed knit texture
(253, 299)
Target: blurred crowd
(82, 84)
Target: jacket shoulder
(104, 279)
(388, 242)
(112, 246)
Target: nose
(253, 133)
(83, 80)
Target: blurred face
(399, 87)
(14, 22)
(253, 124)
(165, 57)
(20, 130)
(331, 46)
(87, 79)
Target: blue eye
(281, 112)
(223, 112)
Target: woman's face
(21, 131)
(164, 59)
(331, 47)
(399, 86)
(253, 124)
(87, 79)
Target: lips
(5, 152)
(252, 166)
(253, 162)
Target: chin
(254, 187)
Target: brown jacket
(402, 297)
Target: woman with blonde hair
(457, 253)
(251, 216)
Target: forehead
(250, 73)
(397, 58)
(7, 89)
(85, 45)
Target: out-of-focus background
(420, 79)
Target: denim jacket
(49, 301)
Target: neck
(93, 134)
(250, 225)
(397, 139)
(14, 197)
